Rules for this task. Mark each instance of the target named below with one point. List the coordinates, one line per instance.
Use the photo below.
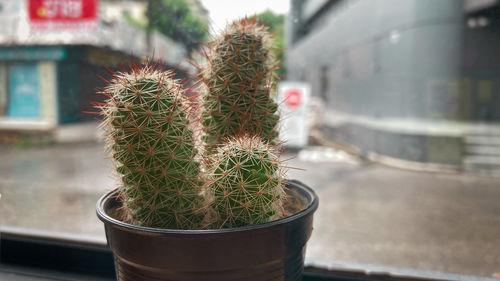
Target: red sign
(293, 98)
(62, 13)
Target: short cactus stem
(153, 143)
(246, 183)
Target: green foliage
(174, 19)
(239, 81)
(133, 22)
(271, 20)
(153, 144)
(276, 26)
(24, 142)
(247, 183)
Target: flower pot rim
(311, 206)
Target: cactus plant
(154, 139)
(239, 79)
(246, 183)
(153, 142)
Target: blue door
(24, 99)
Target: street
(368, 214)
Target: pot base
(269, 251)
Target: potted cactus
(202, 193)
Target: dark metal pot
(269, 251)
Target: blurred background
(391, 108)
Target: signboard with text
(293, 100)
(55, 15)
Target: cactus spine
(247, 184)
(239, 79)
(152, 141)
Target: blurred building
(407, 82)
(49, 69)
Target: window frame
(28, 253)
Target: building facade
(413, 82)
(49, 77)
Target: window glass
(392, 115)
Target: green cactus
(239, 79)
(246, 183)
(155, 139)
(153, 143)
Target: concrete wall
(3, 89)
(403, 79)
(48, 90)
(481, 66)
(384, 58)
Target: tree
(174, 19)
(276, 24)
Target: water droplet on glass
(394, 36)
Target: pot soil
(269, 251)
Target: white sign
(293, 100)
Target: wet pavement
(54, 188)
(368, 214)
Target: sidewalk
(78, 132)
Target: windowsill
(32, 255)
(26, 124)
(61, 237)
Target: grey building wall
(480, 68)
(393, 69)
(383, 58)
